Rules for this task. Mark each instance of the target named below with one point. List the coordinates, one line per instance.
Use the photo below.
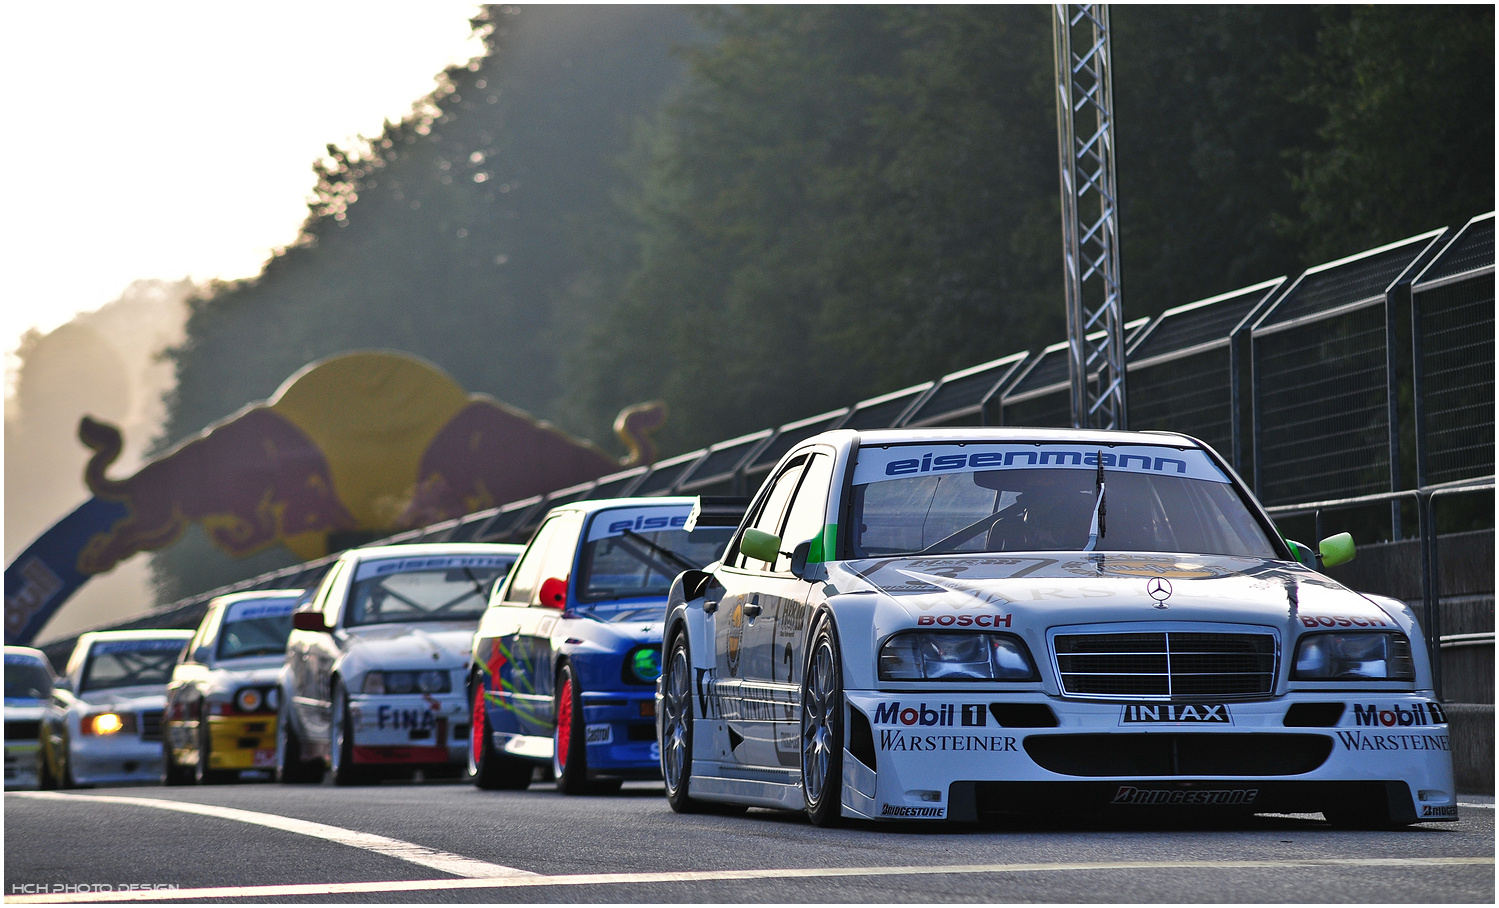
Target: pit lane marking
(596, 879)
(456, 864)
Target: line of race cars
(936, 624)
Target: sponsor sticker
(1399, 715)
(1343, 621)
(896, 740)
(383, 566)
(1129, 794)
(413, 719)
(602, 733)
(973, 715)
(1176, 712)
(922, 813)
(904, 461)
(1361, 741)
(259, 608)
(139, 646)
(946, 620)
(650, 519)
(1429, 810)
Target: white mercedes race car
(374, 679)
(948, 624)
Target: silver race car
(374, 680)
(103, 723)
(947, 624)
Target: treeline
(760, 213)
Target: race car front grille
(23, 730)
(151, 725)
(1167, 665)
(1251, 754)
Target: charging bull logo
(372, 442)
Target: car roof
(418, 549)
(29, 653)
(1005, 434)
(230, 598)
(602, 504)
(165, 633)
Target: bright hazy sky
(176, 139)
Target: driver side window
(772, 508)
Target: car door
(540, 620)
(741, 647)
(310, 656)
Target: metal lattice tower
(1090, 229)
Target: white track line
(593, 879)
(455, 864)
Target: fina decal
(1404, 716)
(924, 813)
(1176, 712)
(1128, 794)
(1358, 740)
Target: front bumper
(410, 728)
(21, 763)
(242, 742)
(114, 759)
(933, 755)
(620, 730)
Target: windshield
(123, 663)
(934, 499)
(440, 588)
(631, 552)
(26, 680)
(257, 627)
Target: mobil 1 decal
(1392, 715)
(1187, 713)
(883, 464)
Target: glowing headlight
(431, 681)
(248, 699)
(643, 665)
(934, 656)
(107, 723)
(1354, 657)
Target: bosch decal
(1128, 794)
(963, 620)
(1342, 621)
(1176, 712)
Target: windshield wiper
(664, 552)
(1097, 529)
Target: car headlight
(643, 665)
(1354, 657)
(248, 699)
(107, 723)
(934, 656)
(430, 681)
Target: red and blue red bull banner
(369, 442)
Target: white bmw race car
(947, 624)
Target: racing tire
(46, 780)
(488, 768)
(822, 728)
(291, 769)
(341, 744)
(202, 774)
(65, 773)
(676, 727)
(569, 745)
(173, 773)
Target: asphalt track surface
(419, 842)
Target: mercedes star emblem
(1159, 589)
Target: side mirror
(309, 621)
(760, 545)
(1304, 555)
(799, 558)
(554, 592)
(202, 654)
(695, 583)
(63, 684)
(1336, 550)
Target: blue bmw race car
(566, 657)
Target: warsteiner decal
(894, 739)
(1358, 740)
